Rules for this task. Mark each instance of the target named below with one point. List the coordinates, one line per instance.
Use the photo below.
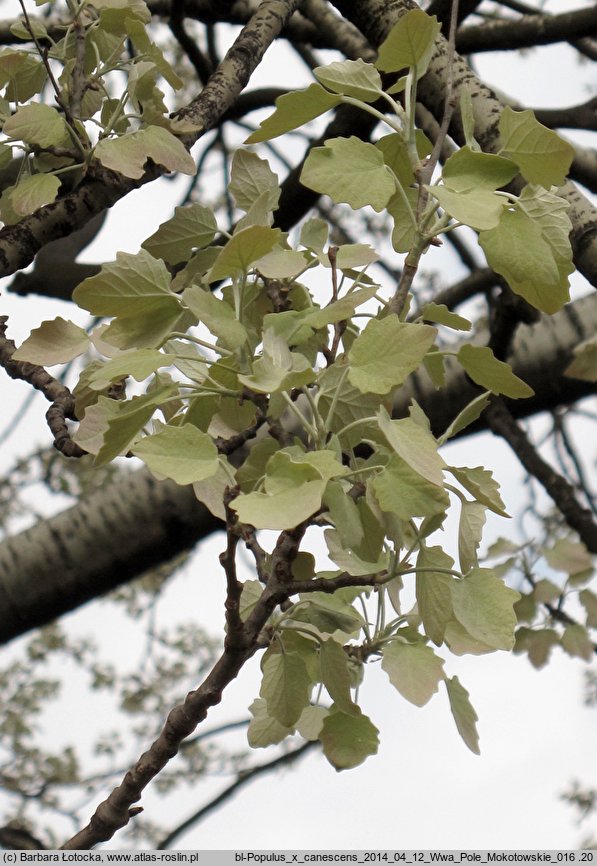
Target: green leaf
(415, 445)
(132, 285)
(191, 227)
(414, 669)
(441, 315)
(351, 560)
(37, 124)
(463, 713)
(588, 599)
(537, 643)
(576, 642)
(184, 454)
(24, 75)
(348, 740)
(584, 365)
(311, 721)
(344, 514)
(468, 170)
(146, 330)
(294, 110)
(250, 177)
(401, 490)
(242, 250)
(518, 250)
(405, 346)
(543, 157)
(485, 370)
(139, 364)
(54, 342)
(470, 533)
(328, 613)
(278, 368)
(571, 557)
(283, 264)
(483, 604)
(396, 154)
(405, 229)
(434, 593)
(263, 729)
(349, 170)
(477, 208)
(409, 43)
(351, 78)
(350, 405)
(335, 675)
(283, 510)
(549, 211)
(467, 416)
(468, 117)
(129, 153)
(210, 491)
(34, 192)
(285, 686)
(481, 484)
(217, 315)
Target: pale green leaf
(191, 227)
(130, 286)
(351, 560)
(584, 365)
(576, 642)
(351, 78)
(329, 613)
(264, 730)
(250, 177)
(311, 721)
(441, 315)
(588, 599)
(294, 110)
(409, 43)
(349, 170)
(537, 643)
(184, 454)
(545, 590)
(413, 669)
(145, 330)
(433, 589)
(210, 491)
(37, 124)
(485, 370)
(283, 510)
(404, 344)
(34, 192)
(470, 533)
(483, 604)
(57, 341)
(242, 250)
(477, 208)
(466, 416)
(415, 445)
(481, 484)
(217, 315)
(285, 686)
(25, 75)
(401, 490)
(461, 643)
(543, 157)
(283, 264)
(518, 250)
(468, 170)
(571, 557)
(344, 514)
(348, 740)
(463, 713)
(129, 153)
(138, 363)
(468, 117)
(396, 154)
(405, 230)
(335, 675)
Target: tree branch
(527, 31)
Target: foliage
(275, 403)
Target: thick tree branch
(527, 31)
